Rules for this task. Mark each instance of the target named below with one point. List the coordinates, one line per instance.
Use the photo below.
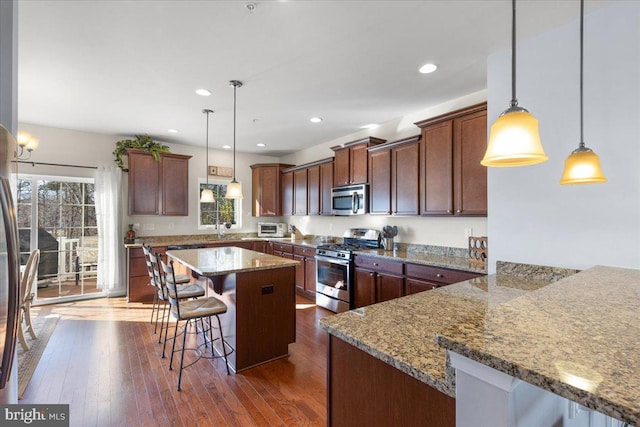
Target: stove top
(354, 240)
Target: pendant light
(234, 189)
(206, 196)
(583, 165)
(514, 139)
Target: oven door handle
(332, 260)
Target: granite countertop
(578, 338)
(455, 262)
(227, 260)
(402, 332)
(211, 239)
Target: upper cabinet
(453, 180)
(158, 187)
(265, 189)
(394, 177)
(351, 162)
(306, 189)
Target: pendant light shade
(514, 139)
(206, 196)
(234, 189)
(583, 165)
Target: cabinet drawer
(379, 264)
(437, 274)
(304, 251)
(283, 247)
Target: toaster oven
(272, 229)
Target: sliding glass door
(58, 216)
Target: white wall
(94, 149)
(532, 218)
(415, 229)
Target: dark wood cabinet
(351, 162)
(377, 280)
(158, 187)
(394, 177)
(420, 277)
(284, 250)
(138, 288)
(306, 270)
(265, 189)
(313, 190)
(287, 193)
(300, 192)
(469, 176)
(326, 185)
(454, 182)
(413, 286)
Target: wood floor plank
(104, 361)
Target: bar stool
(190, 311)
(153, 281)
(187, 291)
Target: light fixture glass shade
(582, 167)
(514, 141)
(23, 138)
(32, 144)
(234, 190)
(206, 196)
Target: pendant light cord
(207, 166)
(514, 100)
(581, 72)
(235, 87)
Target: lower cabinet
(421, 277)
(306, 270)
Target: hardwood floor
(104, 360)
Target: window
(228, 211)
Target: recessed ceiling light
(369, 126)
(226, 147)
(203, 92)
(172, 130)
(315, 119)
(260, 144)
(428, 68)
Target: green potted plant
(142, 142)
(226, 212)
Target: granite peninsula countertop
(402, 332)
(578, 338)
(227, 260)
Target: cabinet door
(265, 191)
(144, 184)
(326, 185)
(437, 169)
(174, 182)
(310, 274)
(259, 246)
(358, 163)
(380, 182)
(413, 286)
(405, 173)
(313, 190)
(470, 177)
(341, 167)
(287, 193)
(364, 292)
(300, 273)
(388, 287)
(300, 192)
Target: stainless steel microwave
(272, 229)
(350, 200)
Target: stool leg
(173, 346)
(153, 306)
(184, 343)
(164, 308)
(224, 347)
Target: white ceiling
(126, 67)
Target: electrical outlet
(170, 226)
(468, 232)
(148, 226)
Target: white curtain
(109, 216)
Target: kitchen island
(259, 291)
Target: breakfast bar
(259, 291)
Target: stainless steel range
(334, 268)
